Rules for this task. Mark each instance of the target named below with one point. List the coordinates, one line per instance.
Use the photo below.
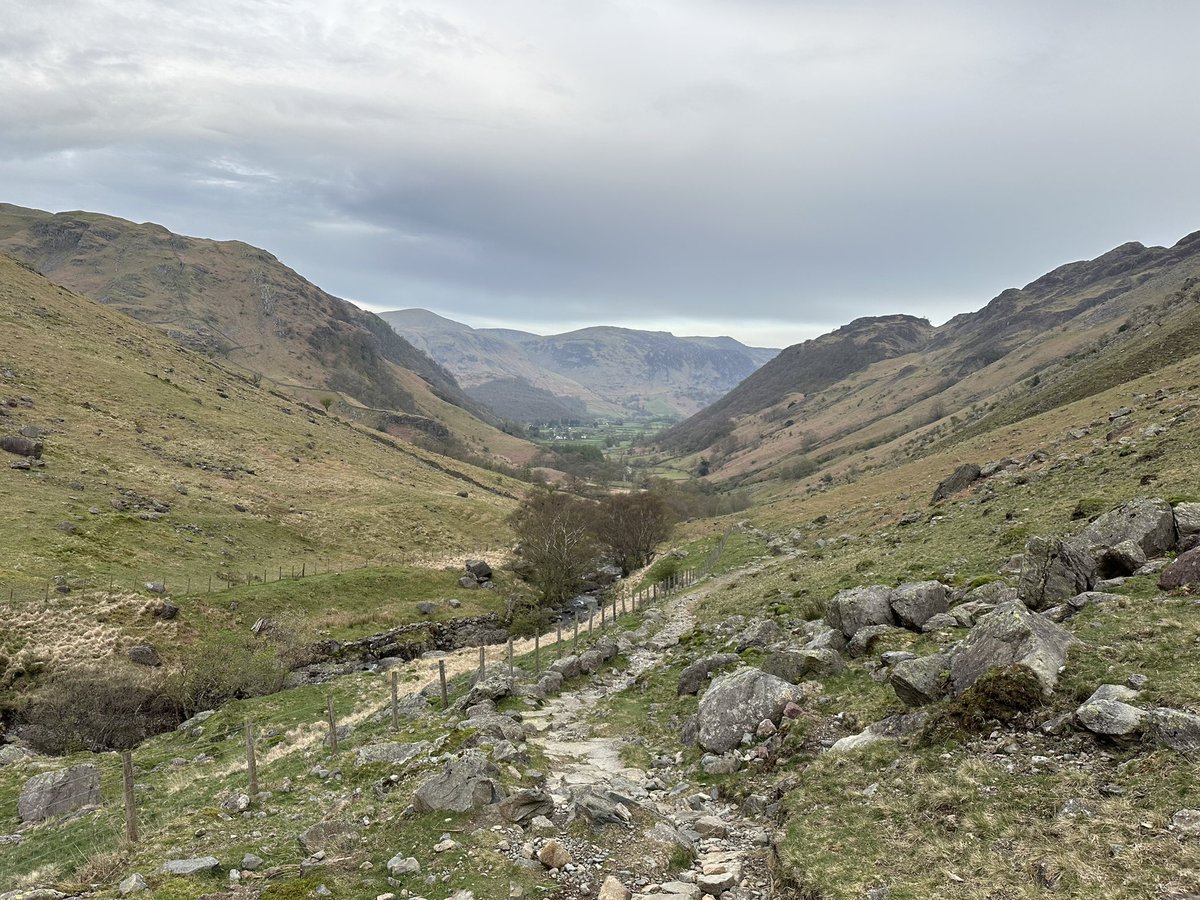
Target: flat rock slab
(58, 793)
(197, 866)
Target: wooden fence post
(537, 655)
(395, 700)
(558, 642)
(510, 657)
(482, 668)
(251, 766)
(576, 648)
(332, 725)
(442, 677)
(131, 829)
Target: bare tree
(631, 526)
(554, 532)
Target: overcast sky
(761, 168)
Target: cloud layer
(757, 167)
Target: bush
(227, 667)
(662, 570)
(97, 707)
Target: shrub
(227, 667)
(97, 707)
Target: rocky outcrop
(1011, 635)
(696, 675)
(1149, 523)
(58, 793)
(468, 782)
(959, 480)
(921, 680)
(1053, 570)
(793, 666)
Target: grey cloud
(794, 162)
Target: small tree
(327, 402)
(631, 526)
(556, 544)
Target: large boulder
(794, 666)
(1187, 519)
(759, 633)
(960, 479)
(1175, 729)
(1183, 570)
(58, 793)
(915, 603)
(1147, 522)
(859, 607)
(1011, 635)
(696, 675)
(921, 680)
(468, 782)
(1053, 570)
(479, 569)
(736, 703)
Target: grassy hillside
(160, 463)
(240, 304)
(881, 388)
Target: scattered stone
(399, 866)
(132, 885)
(1175, 729)
(612, 889)
(251, 863)
(196, 866)
(526, 804)
(393, 753)
(1183, 570)
(145, 655)
(1110, 718)
(554, 855)
(1186, 822)
(319, 837)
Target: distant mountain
(611, 371)
(895, 384)
(240, 303)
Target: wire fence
(131, 811)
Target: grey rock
(922, 680)
(1011, 635)
(251, 862)
(864, 640)
(991, 593)
(468, 582)
(1187, 519)
(132, 885)
(940, 621)
(1053, 570)
(568, 667)
(915, 603)
(590, 661)
(695, 676)
(144, 655)
(1148, 522)
(495, 727)
(479, 568)
(1175, 729)
(526, 804)
(427, 607)
(759, 633)
(199, 865)
(794, 666)
(735, 703)
(393, 752)
(1183, 570)
(468, 782)
(1123, 559)
(323, 835)
(960, 479)
(399, 866)
(860, 607)
(1186, 822)
(599, 807)
(58, 793)
(1110, 718)
(1121, 692)
(822, 637)
(725, 764)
